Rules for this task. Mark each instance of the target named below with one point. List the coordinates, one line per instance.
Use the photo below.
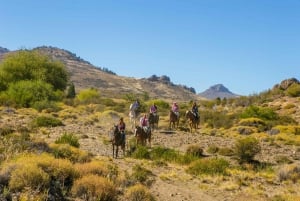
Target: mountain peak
(3, 50)
(217, 91)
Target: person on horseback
(144, 123)
(195, 110)
(135, 107)
(121, 127)
(153, 109)
(175, 109)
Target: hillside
(85, 75)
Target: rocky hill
(217, 91)
(85, 75)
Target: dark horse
(142, 136)
(173, 120)
(192, 120)
(153, 120)
(117, 140)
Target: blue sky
(247, 45)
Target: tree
(71, 91)
(32, 65)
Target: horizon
(248, 47)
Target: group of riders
(144, 121)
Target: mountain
(85, 75)
(217, 91)
(3, 50)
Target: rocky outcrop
(285, 84)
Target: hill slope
(85, 75)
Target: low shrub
(68, 138)
(210, 166)
(140, 173)
(99, 168)
(246, 148)
(94, 187)
(194, 150)
(212, 149)
(138, 192)
(141, 152)
(71, 153)
(29, 176)
(289, 172)
(46, 121)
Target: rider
(175, 109)
(121, 127)
(195, 110)
(153, 109)
(144, 123)
(135, 106)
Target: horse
(117, 140)
(132, 117)
(142, 136)
(153, 120)
(173, 120)
(192, 120)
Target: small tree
(71, 91)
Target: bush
(66, 151)
(211, 166)
(259, 112)
(29, 175)
(138, 192)
(94, 187)
(70, 139)
(99, 168)
(32, 65)
(194, 150)
(140, 173)
(27, 93)
(293, 90)
(51, 106)
(46, 121)
(245, 149)
(88, 96)
(141, 152)
(289, 172)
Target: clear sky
(246, 45)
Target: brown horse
(153, 120)
(173, 120)
(192, 120)
(117, 140)
(142, 136)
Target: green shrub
(212, 149)
(88, 96)
(293, 90)
(141, 152)
(140, 173)
(138, 192)
(259, 112)
(46, 121)
(68, 138)
(94, 187)
(210, 166)
(194, 150)
(245, 149)
(50, 106)
(32, 65)
(26, 93)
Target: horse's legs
(113, 151)
(117, 150)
